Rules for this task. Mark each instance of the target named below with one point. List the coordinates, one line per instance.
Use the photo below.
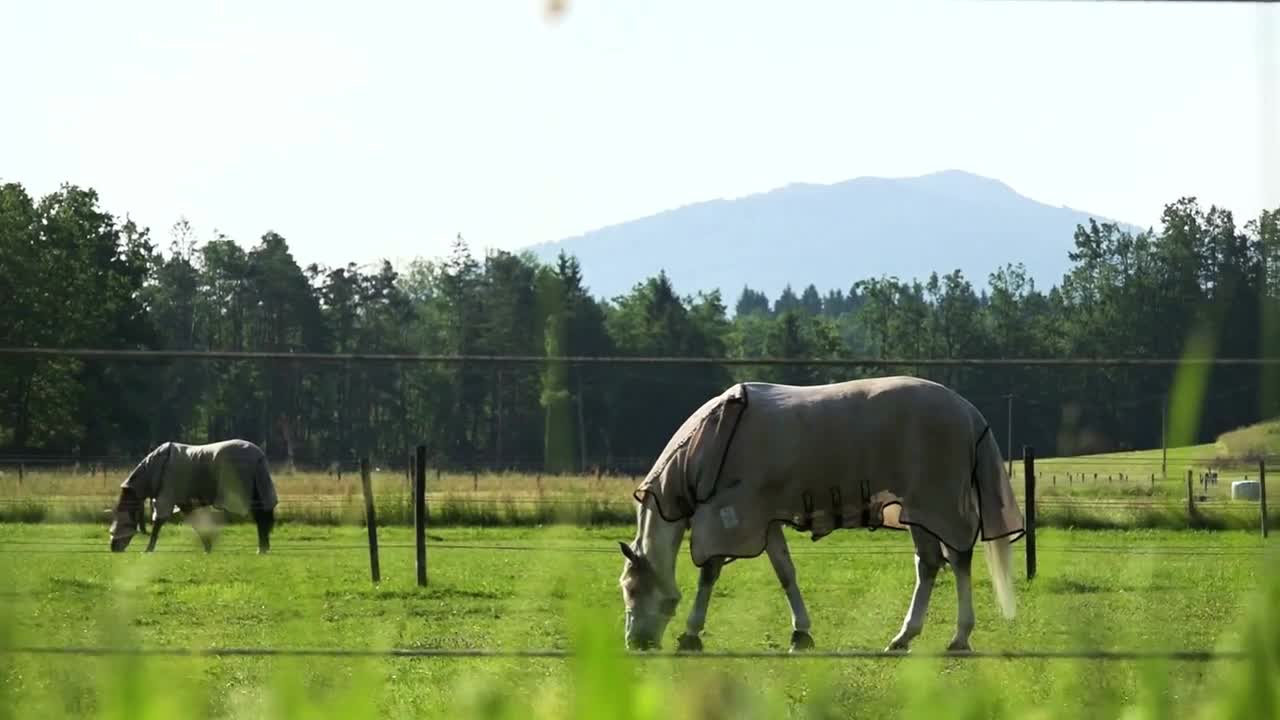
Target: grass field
(520, 588)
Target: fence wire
(1096, 655)
(607, 548)
(344, 358)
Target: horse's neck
(127, 499)
(659, 540)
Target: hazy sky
(361, 130)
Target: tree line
(74, 275)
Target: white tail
(999, 554)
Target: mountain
(832, 235)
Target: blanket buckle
(806, 500)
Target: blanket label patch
(728, 518)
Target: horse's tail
(1000, 561)
(264, 489)
(992, 480)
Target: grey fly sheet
(826, 457)
(231, 475)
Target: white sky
(363, 130)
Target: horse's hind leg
(780, 557)
(204, 523)
(206, 538)
(707, 577)
(266, 520)
(961, 562)
(929, 560)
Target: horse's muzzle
(642, 644)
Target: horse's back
(233, 449)
(885, 408)
(227, 471)
(825, 457)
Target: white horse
(893, 452)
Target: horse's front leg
(155, 533)
(780, 558)
(707, 576)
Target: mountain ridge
(831, 235)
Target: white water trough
(1246, 490)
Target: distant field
(1114, 490)
(518, 588)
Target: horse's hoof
(897, 646)
(959, 648)
(801, 641)
(689, 643)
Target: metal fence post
(1029, 478)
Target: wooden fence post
(1262, 494)
(1029, 478)
(420, 514)
(21, 471)
(370, 518)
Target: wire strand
(108, 354)
(1102, 655)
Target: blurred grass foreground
(604, 683)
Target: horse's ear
(629, 553)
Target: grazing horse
(897, 452)
(231, 475)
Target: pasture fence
(415, 465)
(420, 514)
(1200, 656)
(479, 456)
(499, 499)
(432, 358)
(1029, 517)
(371, 521)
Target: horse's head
(648, 601)
(126, 520)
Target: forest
(74, 275)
